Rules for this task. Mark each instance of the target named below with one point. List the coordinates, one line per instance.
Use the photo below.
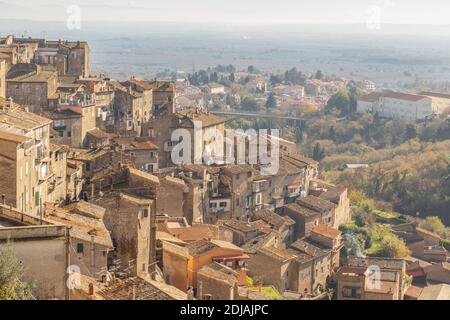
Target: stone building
(17, 51)
(57, 184)
(423, 244)
(75, 180)
(339, 196)
(2, 77)
(140, 153)
(304, 267)
(240, 179)
(281, 224)
(89, 238)
(94, 160)
(41, 247)
(131, 219)
(171, 195)
(372, 279)
(74, 116)
(132, 109)
(309, 212)
(25, 159)
(137, 288)
(181, 262)
(219, 282)
(68, 57)
(203, 129)
(238, 232)
(31, 85)
(179, 228)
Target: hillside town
(95, 207)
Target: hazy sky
(236, 11)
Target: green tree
(387, 244)
(271, 101)
(251, 69)
(250, 104)
(319, 75)
(341, 101)
(299, 135)
(392, 246)
(354, 93)
(12, 285)
(275, 79)
(435, 225)
(318, 152)
(411, 132)
(332, 133)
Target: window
(145, 213)
(69, 134)
(213, 205)
(350, 292)
(223, 204)
(80, 248)
(238, 176)
(248, 201)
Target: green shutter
(37, 199)
(80, 248)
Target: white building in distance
(404, 106)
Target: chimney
(190, 293)
(242, 276)
(91, 289)
(200, 290)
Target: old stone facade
(25, 159)
(31, 85)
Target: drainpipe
(92, 255)
(66, 288)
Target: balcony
(259, 186)
(60, 128)
(219, 205)
(293, 191)
(45, 177)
